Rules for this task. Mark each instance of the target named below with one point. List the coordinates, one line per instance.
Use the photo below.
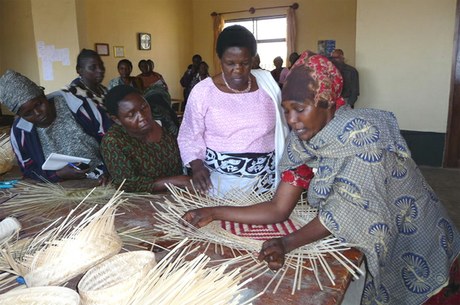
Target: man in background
(350, 91)
(278, 63)
(190, 77)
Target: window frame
(254, 21)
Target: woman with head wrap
(232, 133)
(56, 123)
(137, 148)
(367, 189)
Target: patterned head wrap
(16, 90)
(327, 77)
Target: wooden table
(310, 293)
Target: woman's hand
(199, 217)
(183, 181)
(200, 176)
(68, 173)
(273, 251)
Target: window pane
(271, 28)
(268, 52)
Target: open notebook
(58, 161)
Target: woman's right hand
(183, 181)
(200, 176)
(199, 217)
(70, 173)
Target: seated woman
(150, 77)
(160, 104)
(88, 86)
(368, 190)
(125, 67)
(56, 123)
(232, 132)
(137, 148)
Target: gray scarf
(16, 90)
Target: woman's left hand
(273, 251)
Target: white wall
(404, 57)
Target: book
(58, 161)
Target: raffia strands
(112, 281)
(176, 280)
(139, 238)
(67, 247)
(309, 258)
(6, 154)
(45, 199)
(41, 296)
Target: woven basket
(113, 281)
(70, 257)
(41, 296)
(8, 227)
(7, 156)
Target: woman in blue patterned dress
(368, 190)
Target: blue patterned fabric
(370, 193)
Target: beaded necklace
(89, 89)
(235, 90)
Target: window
(270, 33)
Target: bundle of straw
(112, 281)
(45, 199)
(7, 156)
(308, 258)
(67, 247)
(41, 296)
(176, 280)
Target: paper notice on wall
(47, 70)
(49, 54)
(40, 48)
(62, 55)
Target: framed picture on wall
(118, 51)
(102, 49)
(144, 41)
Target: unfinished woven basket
(68, 248)
(113, 281)
(245, 241)
(184, 277)
(7, 156)
(41, 296)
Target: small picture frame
(118, 51)
(144, 41)
(102, 49)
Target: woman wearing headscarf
(368, 190)
(56, 123)
(232, 134)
